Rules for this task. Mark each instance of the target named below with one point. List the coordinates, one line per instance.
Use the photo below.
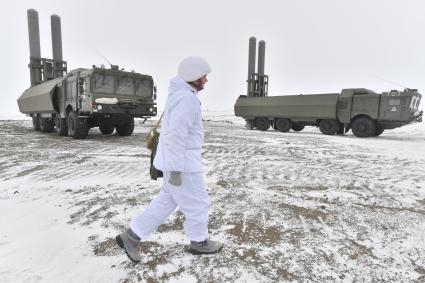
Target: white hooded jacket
(181, 135)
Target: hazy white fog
(311, 46)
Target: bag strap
(159, 121)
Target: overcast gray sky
(312, 46)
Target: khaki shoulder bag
(152, 139)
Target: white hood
(177, 83)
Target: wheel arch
(361, 116)
(271, 119)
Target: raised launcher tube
(251, 65)
(59, 66)
(257, 82)
(262, 80)
(42, 69)
(34, 44)
(261, 57)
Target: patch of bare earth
(299, 207)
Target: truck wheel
(283, 125)
(106, 128)
(297, 127)
(262, 123)
(363, 127)
(126, 129)
(77, 127)
(46, 125)
(329, 127)
(61, 126)
(379, 130)
(36, 123)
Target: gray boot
(129, 241)
(205, 247)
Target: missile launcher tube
(251, 64)
(261, 57)
(34, 45)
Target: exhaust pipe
(34, 42)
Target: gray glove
(175, 178)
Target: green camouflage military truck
(71, 103)
(365, 112)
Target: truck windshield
(125, 85)
(103, 83)
(144, 87)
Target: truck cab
(398, 108)
(85, 98)
(107, 92)
(105, 98)
(368, 113)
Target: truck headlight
(99, 107)
(150, 109)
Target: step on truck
(364, 111)
(70, 103)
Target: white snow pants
(192, 199)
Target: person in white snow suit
(178, 156)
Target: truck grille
(127, 105)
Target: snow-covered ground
(291, 206)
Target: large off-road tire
(379, 130)
(297, 127)
(262, 123)
(126, 129)
(46, 125)
(77, 127)
(61, 126)
(106, 128)
(329, 127)
(363, 127)
(36, 122)
(283, 124)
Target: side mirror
(154, 92)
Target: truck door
(365, 104)
(343, 109)
(70, 90)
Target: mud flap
(347, 127)
(249, 125)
